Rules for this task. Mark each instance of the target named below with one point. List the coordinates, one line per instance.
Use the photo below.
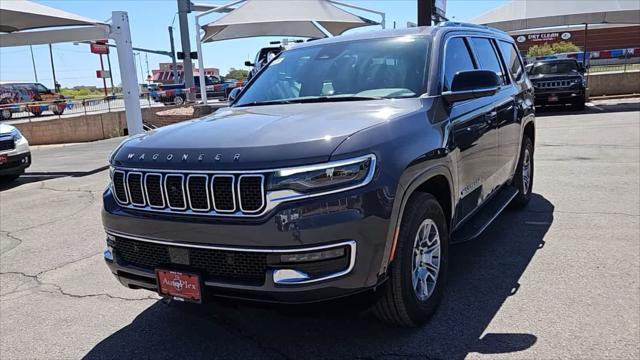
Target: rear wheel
(523, 179)
(178, 100)
(417, 275)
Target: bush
(237, 74)
(553, 48)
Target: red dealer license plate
(3, 159)
(180, 285)
(553, 98)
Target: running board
(489, 212)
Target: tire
(523, 186)
(58, 112)
(399, 303)
(5, 114)
(178, 100)
(579, 104)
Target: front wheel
(579, 104)
(179, 100)
(523, 179)
(417, 274)
(5, 114)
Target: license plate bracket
(179, 285)
(553, 98)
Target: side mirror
(249, 63)
(472, 84)
(233, 94)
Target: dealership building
(604, 29)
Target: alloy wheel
(426, 259)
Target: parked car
(348, 165)
(263, 56)
(32, 97)
(559, 81)
(15, 156)
(217, 87)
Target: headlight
(324, 177)
(17, 135)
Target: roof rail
(469, 25)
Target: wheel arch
(437, 181)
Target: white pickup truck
(15, 156)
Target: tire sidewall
(418, 310)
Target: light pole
(425, 11)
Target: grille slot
(119, 188)
(214, 264)
(153, 188)
(8, 144)
(224, 197)
(553, 83)
(198, 192)
(250, 190)
(134, 185)
(174, 188)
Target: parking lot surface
(560, 279)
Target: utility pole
(33, 61)
(53, 69)
(425, 11)
(173, 56)
(184, 7)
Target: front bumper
(359, 218)
(16, 164)
(561, 96)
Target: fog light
(312, 256)
(108, 253)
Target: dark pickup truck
(217, 87)
(558, 82)
(346, 166)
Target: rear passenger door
(503, 115)
(510, 130)
(474, 134)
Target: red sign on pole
(99, 47)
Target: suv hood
(258, 137)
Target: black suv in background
(559, 81)
(347, 165)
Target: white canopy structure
(283, 18)
(532, 14)
(299, 18)
(24, 22)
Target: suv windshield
(557, 67)
(354, 70)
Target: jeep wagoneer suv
(346, 165)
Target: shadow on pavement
(483, 274)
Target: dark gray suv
(347, 165)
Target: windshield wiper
(261, 103)
(334, 98)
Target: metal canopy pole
(187, 66)
(121, 33)
(173, 56)
(382, 15)
(425, 10)
(203, 88)
(53, 69)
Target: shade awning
(283, 18)
(19, 15)
(533, 14)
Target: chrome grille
(134, 185)
(153, 188)
(174, 188)
(250, 192)
(553, 84)
(201, 193)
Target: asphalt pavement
(560, 279)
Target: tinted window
(389, 68)
(457, 58)
(486, 56)
(511, 58)
(41, 88)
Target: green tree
(554, 48)
(238, 74)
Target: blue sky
(149, 19)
